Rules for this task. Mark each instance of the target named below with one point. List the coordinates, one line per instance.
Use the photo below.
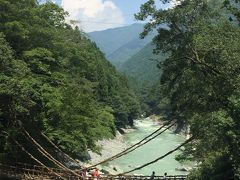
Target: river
(150, 151)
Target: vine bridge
(41, 171)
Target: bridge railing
(18, 171)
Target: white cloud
(175, 3)
(94, 15)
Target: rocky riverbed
(109, 147)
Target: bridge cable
(149, 139)
(47, 155)
(126, 150)
(35, 159)
(136, 145)
(42, 150)
(161, 157)
(56, 147)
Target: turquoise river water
(150, 151)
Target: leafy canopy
(201, 78)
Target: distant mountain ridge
(131, 55)
(119, 44)
(111, 39)
(121, 55)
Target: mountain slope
(125, 52)
(142, 67)
(120, 44)
(112, 39)
(144, 77)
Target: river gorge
(148, 152)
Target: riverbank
(109, 147)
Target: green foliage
(201, 79)
(54, 80)
(39, 60)
(216, 166)
(142, 67)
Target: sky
(96, 15)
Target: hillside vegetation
(142, 67)
(143, 73)
(53, 79)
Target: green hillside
(121, 55)
(142, 68)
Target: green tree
(53, 79)
(201, 80)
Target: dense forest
(54, 80)
(201, 79)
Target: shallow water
(150, 151)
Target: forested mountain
(133, 57)
(120, 44)
(200, 79)
(142, 67)
(143, 73)
(54, 80)
(121, 55)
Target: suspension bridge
(41, 171)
